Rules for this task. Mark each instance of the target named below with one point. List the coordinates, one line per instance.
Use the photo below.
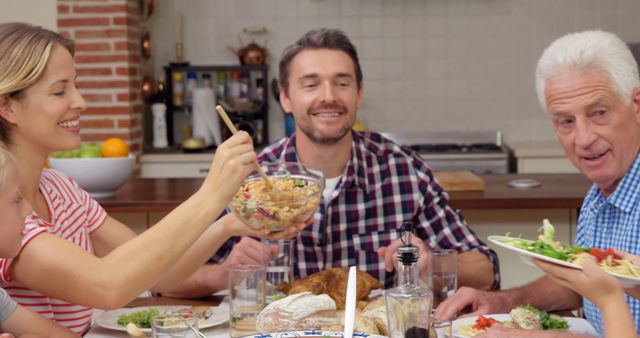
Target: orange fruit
(115, 147)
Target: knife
(350, 304)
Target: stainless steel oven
(479, 151)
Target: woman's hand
(290, 232)
(591, 282)
(233, 162)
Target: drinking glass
(443, 267)
(174, 325)
(278, 257)
(246, 298)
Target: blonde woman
(74, 256)
(15, 319)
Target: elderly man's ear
(635, 101)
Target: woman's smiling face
(47, 114)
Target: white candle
(178, 27)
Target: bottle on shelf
(258, 94)
(221, 87)
(189, 87)
(409, 303)
(245, 82)
(234, 86)
(206, 81)
(178, 89)
(159, 115)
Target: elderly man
(372, 184)
(588, 84)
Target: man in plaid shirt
(373, 186)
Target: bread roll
(301, 311)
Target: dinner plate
(576, 325)
(311, 333)
(109, 319)
(527, 257)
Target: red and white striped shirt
(74, 216)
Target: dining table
(218, 331)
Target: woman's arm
(23, 321)
(600, 288)
(134, 266)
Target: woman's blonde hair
(5, 158)
(24, 53)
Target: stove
(479, 151)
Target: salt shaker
(159, 110)
(409, 303)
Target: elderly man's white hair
(586, 51)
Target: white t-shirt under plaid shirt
(612, 222)
(74, 216)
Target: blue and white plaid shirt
(612, 222)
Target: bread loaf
(301, 311)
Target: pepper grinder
(409, 303)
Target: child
(602, 290)
(14, 318)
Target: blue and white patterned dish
(311, 333)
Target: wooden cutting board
(460, 180)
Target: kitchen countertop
(558, 191)
(550, 148)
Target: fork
(196, 331)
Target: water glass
(174, 325)
(443, 268)
(278, 256)
(246, 298)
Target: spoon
(232, 128)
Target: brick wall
(109, 66)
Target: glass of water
(174, 325)
(278, 257)
(443, 267)
(246, 298)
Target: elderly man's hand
(477, 301)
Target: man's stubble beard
(316, 136)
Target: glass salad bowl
(298, 196)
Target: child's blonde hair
(5, 158)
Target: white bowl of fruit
(100, 169)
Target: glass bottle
(221, 87)
(409, 303)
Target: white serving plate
(527, 257)
(109, 319)
(576, 325)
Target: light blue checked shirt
(612, 222)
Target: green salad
(142, 319)
(546, 245)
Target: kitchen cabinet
(541, 157)
(175, 165)
(523, 222)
